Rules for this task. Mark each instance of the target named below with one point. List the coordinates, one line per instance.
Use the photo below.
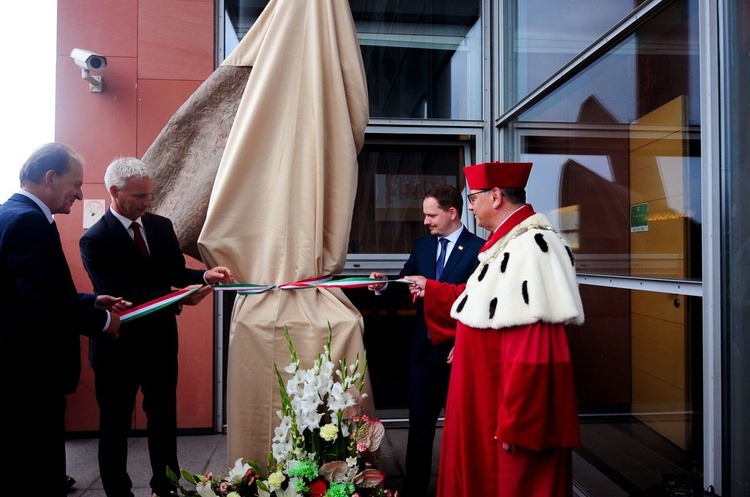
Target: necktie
(139, 241)
(441, 258)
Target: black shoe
(69, 482)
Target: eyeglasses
(473, 196)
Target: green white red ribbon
(250, 289)
(156, 304)
(321, 282)
(243, 288)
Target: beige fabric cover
(281, 206)
(185, 156)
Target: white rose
(329, 432)
(276, 479)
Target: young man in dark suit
(451, 260)
(137, 254)
(42, 315)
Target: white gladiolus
(238, 471)
(282, 440)
(204, 490)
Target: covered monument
(267, 152)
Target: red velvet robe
(511, 385)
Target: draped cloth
(281, 206)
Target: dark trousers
(117, 384)
(40, 446)
(428, 388)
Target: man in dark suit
(136, 253)
(42, 315)
(451, 260)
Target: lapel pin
(460, 247)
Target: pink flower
(361, 446)
(250, 476)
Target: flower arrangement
(323, 447)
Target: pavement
(204, 453)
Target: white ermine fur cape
(525, 277)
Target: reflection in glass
(736, 261)
(637, 361)
(389, 319)
(393, 177)
(544, 35)
(239, 16)
(423, 59)
(616, 153)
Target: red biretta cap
(497, 174)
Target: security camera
(88, 60)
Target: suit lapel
(31, 205)
(151, 232)
(62, 263)
(432, 254)
(121, 235)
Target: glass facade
(394, 174)
(736, 248)
(617, 164)
(616, 153)
(606, 99)
(542, 36)
(421, 57)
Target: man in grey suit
(136, 253)
(42, 315)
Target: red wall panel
(174, 40)
(157, 102)
(107, 28)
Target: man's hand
(113, 330)
(219, 274)
(195, 297)
(417, 285)
(377, 287)
(114, 304)
(450, 356)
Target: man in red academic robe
(511, 418)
